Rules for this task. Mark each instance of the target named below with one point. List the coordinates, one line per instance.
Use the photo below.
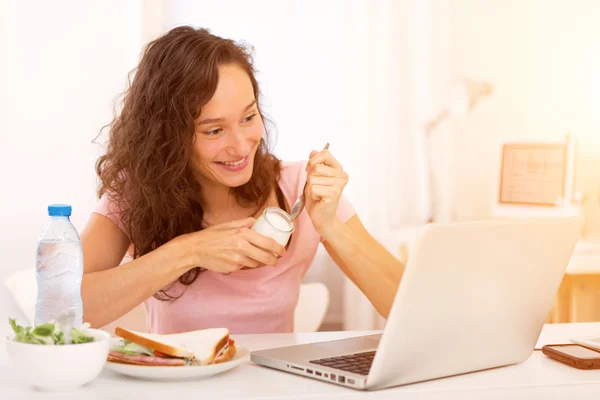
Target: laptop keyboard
(359, 363)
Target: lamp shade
(464, 94)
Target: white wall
(61, 66)
(543, 58)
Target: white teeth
(234, 163)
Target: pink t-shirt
(261, 300)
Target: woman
(186, 172)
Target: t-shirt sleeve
(110, 208)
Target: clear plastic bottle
(59, 268)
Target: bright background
(364, 75)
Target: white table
(538, 377)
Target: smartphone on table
(574, 355)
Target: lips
(233, 163)
(234, 166)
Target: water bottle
(59, 268)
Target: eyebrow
(213, 120)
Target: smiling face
(228, 132)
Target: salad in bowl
(77, 354)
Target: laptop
(474, 296)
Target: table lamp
(463, 94)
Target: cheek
(206, 151)
(256, 131)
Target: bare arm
(110, 290)
(367, 263)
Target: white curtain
(400, 70)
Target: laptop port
(309, 371)
(317, 373)
(351, 381)
(326, 375)
(333, 377)
(298, 368)
(341, 379)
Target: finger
(259, 265)
(312, 153)
(247, 262)
(324, 193)
(325, 170)
(259, 255)
(324, 157)
(264, 242)
(326, 181)
(238, 260)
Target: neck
(217, 200)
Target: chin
(238, 179)
(234, 183)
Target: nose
(239, 144)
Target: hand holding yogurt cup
(227, 247)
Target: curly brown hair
(146, 168)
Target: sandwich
(201, 347)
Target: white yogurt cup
(276, 224)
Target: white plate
(163, 373)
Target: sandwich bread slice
(201, 347)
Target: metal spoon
(299, 204)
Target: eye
(213, 132)
(249, 118)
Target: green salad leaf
(49, 334)
(132, 349)
(78, 336)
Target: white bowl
(60, 367)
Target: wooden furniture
(578, 298)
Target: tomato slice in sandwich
(159, 354)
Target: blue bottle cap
(59, 210)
